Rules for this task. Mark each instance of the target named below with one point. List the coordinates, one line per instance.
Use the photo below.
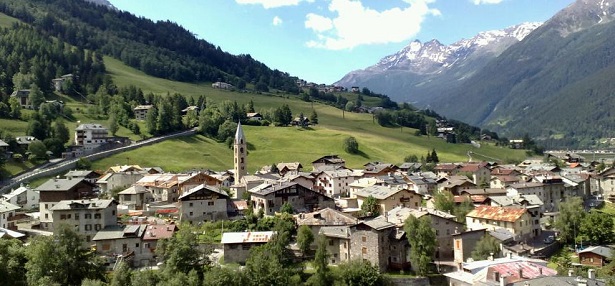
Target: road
(60, 165)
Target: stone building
(237, 245)
(204, 203)
(55, 190)
(388, 198)
(87, 216)
(271, 197)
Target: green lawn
(12, 168)
(269, 144)
(7, 21)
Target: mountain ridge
(418, 65)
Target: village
(124, 212)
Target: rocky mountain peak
(431, 56)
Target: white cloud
(318, 23)
(277, 21)
(480, 2)
(272, 3)
(357, 25)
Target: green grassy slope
(7, 21)
(277, 144)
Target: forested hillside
(555, 85)
(162, 49)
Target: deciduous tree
(422, 239)
(305, 237)
(485, 247)
(568, 221)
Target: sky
(323, 40)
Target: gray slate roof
(59, 185)
(600, 250)
(93, 204)
(203, 187)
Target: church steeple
(240, 154)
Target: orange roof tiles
(497, 213)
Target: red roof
(527, 270)
(497, 213)
(159, 231)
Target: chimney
(520, 272)
(490, 256)
(502, 281)
(570, 272)
(510, 255)
(496, 276)
(591, 274)
(540, 271)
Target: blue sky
(322, 40)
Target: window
(97, 227)
(46, 206)
(331, 242)
(246, 246)
(364, 250)
(106, 246)
(47, 216)
(448, 231)
(76, 216)
(97, 216)
(363, 239)
(437, 232)
(88, 227)
(136, 245)
(191, 214)
(88, 216)
(62, 216)
(68, 216)
(112, 212)
(190, 204)
(335, 255)
(210, 203)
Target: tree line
(163, 49)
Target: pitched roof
(327, 216)
(90, 126)
(7, 207)
(93, 204)
(3, 144)
(119, 231)
(330, 159)
(559, 280)
(504, 201)
(143, 107)
(247, 237)
(59, 185)
(399, 214)
(7, 233)
(81, 173)
(132, 190)
(289, 166)
(200, 188)
(378, 223)
(159, 231)
(267, 188)
(378, 192)
(600, 250)
(497, 213)
(335, 231)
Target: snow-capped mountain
(432, 56)
(421, 69)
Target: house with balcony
(271, 196)
(87, 216)
(204, 203)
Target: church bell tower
(240, 154)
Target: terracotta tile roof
(497, 213)
(159, 231)
(446, 167)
